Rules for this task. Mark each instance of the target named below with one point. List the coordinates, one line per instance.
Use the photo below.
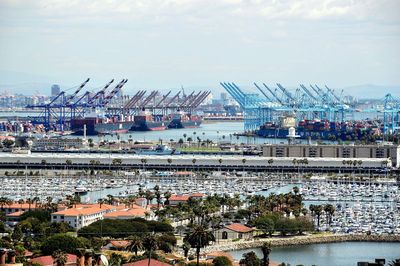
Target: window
(240, 235)
(224, 235)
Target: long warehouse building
(186, 161)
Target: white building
(82, 215)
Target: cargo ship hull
(94, 127)
(149, 126)
(179, 123)
(319, 131)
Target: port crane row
(62, 108)
(313, 102)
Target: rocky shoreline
(301, 240)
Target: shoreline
(301, 240)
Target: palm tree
(329, 210)
(143, 161)
(5, 201)
(169, 160)
(59, 257)
(100, 202)
(167, 195)
(198, 238)
(186, 248)
(135, 244)
(29, 201)
(194, 162)
(150, 244)
(318, 212)
(266, 250)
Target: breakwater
(301, 240)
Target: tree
(296, 190)
(221, 261)
(318, 212)
(59, 257)
(8, 143)
(266, 250)
(135, 244)
(250, 259)
(167, 195)
(149, 244)
(199, 237)
(329, 209)
(116, 259)
(186, 248)
(63, 242)
(265, 224)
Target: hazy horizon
(169, 44)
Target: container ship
(101, 125)
(183, 120)
(322, 129)
(146, 121)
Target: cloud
(384, 10)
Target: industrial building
(379, 151)
(57, 144)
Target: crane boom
(100, 93)
(263, 92)
(273, 94)
(71, 97)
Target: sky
(168, 43)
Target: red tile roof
(16, 205)
(15, 214)
(85, 210)
(179, 198)
(240, 228)
(145, 262)
(137, 212)
(119, 243)
(48, 260)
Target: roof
(145, 262)
(15, 214)
(240, 228)
(119, 243)
(197, 195)
(16, 205)
(179, 198)
(48, 260)
(85, 210)
(126, 213)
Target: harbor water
(332, 254)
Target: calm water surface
(333, 254)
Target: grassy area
(201, 149)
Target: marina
(361, 207)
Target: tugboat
(156, 150)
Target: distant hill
(372, 91)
